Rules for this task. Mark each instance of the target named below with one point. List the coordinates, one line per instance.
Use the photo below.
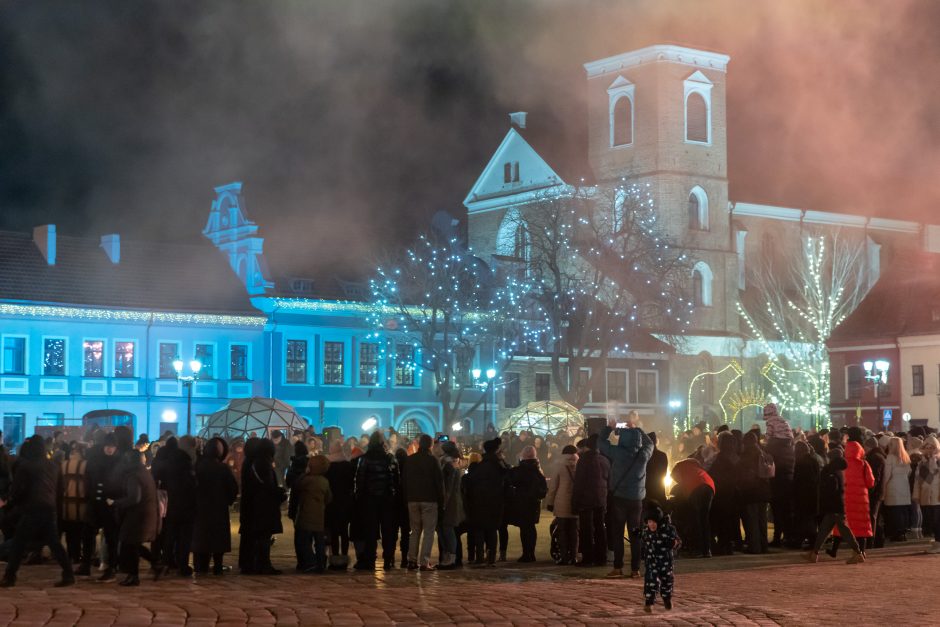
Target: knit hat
(654, 512)
(770, 409)
(569, 450)
(492, 446)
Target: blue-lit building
(91, 329)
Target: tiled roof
(150, 275)
(904, 301)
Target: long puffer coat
(858, 480)
(897, 482)
(561, 487)
(216, 490)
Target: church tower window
(622, 121)
(702, 284)
(696, 118)
(698, 209)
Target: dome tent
(243, 416)
(545, 417)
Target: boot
(667, 603)
(502, 556)
(130, 580)
(107, 575)
(857, 558)
(491, 557)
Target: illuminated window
(543, 386)
(511, 396)
(205, 353)
(93, 358)
(333, 363)
(647, 387)
(53, 357)
(405, 365)
(124, 360)
(238, 362)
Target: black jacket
(261, 498)
(590, 481)
(832, 487)
(806, 485)
(528, 489)
(35, 484)
(876, 459)
(376, 475)
(656, 469)
(174, 473)
(342, 477)
(216, 490)
(423, 480)
(484, 489)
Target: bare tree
(445, 302)
(600, 272)
(792, 307)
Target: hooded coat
(137, 508)
(858, 480)
(310, 496)
(530, 488)
(453, 499)
(690, 475)
(927, 475)
(261, 496)
(561, 487)
(897, 482)
(591, 477)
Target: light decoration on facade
(735, 369)
(128, 315)
(747, 396)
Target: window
(205, 353)
(917, 380)
(543, 386)
(623, 121)
(93, 358)
(702, 284)
(123, 360)
(333, 363)
(511, 393)
(515, 171)
(296, 361)
(698, 209)
(855, 381)
(53, 357)
(238, 362)
(507, 173)
(647, 387)
(368, 363)
(617, 386)
(14, 355)
(50, 419)
(14, 426)
(168, 353)
(404, 365)
(584, 381)
(696, 118)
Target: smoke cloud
(350, 123)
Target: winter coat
(341, 476)
(312, 494)
(137, 509)
(832, 487)
(751, 487)
(422, 479)
(926, 482)
(591, 477)
(261, 498)
(858, 480)
(174, 473)
(484, 488)
(528, 489)
(35, 484)
(690, 476)
(777, 428)
(377, 474)
(296, 470)
(283, 451)
(806, 486)
(781, 449)
(876, 461)
(561, 488)
(99, 469)
(724, 474)
(656, 470)
(897, 487)
(73, 506)
(453, 499)
(216, 490)
(628, 460)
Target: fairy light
(128, 315)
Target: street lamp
(195, 366)
(877, 373)
(484, 385)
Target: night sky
(351, 122)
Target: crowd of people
(171, 501)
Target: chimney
(517, 119)
(44, 237)
(111, 244)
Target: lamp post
(187, 380)
(486, 386)
(877, 373)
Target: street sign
(887, 417)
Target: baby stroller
(553, 548)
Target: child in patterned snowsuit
(659, 541)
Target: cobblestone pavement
(740, 590)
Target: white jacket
(897, 482)
(561, 487)
(927, 492)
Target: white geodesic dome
(243, 416)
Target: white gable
(524, 164)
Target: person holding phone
(629, 449)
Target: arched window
(696, 118)
(622, 121)
(698, 209)
(702, 284)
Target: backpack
(766, 469)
